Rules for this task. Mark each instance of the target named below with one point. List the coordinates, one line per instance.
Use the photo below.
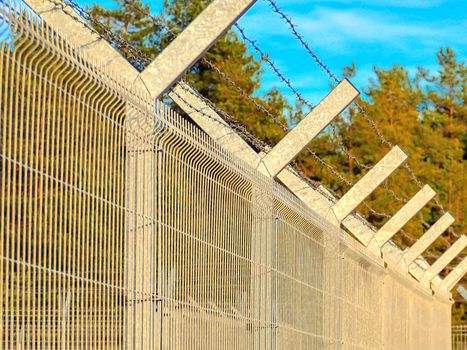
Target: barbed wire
(332, 76)
(373, 125)
(358, 163)
(361, 109)
(164, 23)
(232, 121)
(122, 44)
(392, 193)
(264, 57)
(302, 41)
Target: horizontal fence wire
(459, 337)
(293, 28)
(123, 226)
(263, 109)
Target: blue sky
(368, 32)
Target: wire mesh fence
(459, 337)
(123, 226)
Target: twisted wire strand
(144, 60)
(250, 138)
(302, 41)
(361, 109)
(264, 57)
(332, 76)
(163, 22)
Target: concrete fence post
(192, 43)
(363, 188)
(443, 260)
(407, 212)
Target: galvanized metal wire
(293, 28)
(123, 226)
(459, 337)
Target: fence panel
(124, 227)
(459, 337)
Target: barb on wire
(392, 193)
(302, 41)
(163, 22)
(273, 66)
(292, 26)
(143, 61)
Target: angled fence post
(63, 18)
(407, 212)
(302, 134)
(363, 188)
(192, 43)
(263, 221)
(212, 124)
(450, 281)
(443, 260)
(427, 239)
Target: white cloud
(342, 34)
(386, 3)
(342, 29)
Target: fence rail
(123, 226)
(459, 337)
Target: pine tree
(445, 118)
(132, 22)
(229, 54)
(425, 115)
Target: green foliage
(229, 54)
(425, 115)
(131, 21)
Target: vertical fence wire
(123, 226)
(459, 337)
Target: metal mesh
(362, 297)
(413, 318)
(124, 227)
(459, 337)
